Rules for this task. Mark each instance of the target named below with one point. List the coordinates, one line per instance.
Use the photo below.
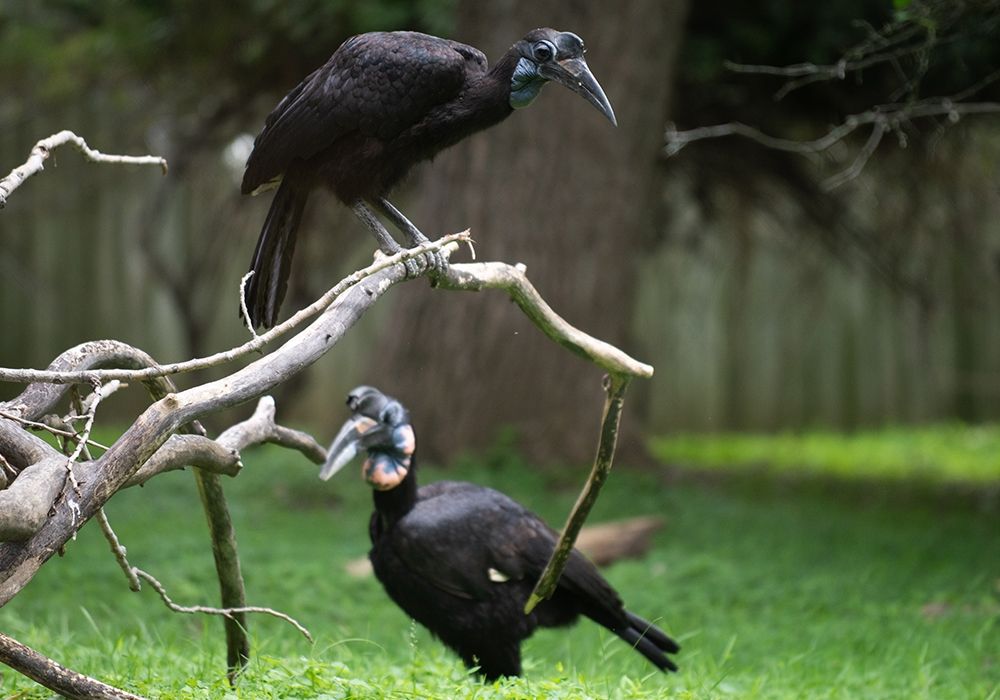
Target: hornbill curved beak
(379, 425)
(345, 446)
(574, 73)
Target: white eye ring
(544, 51)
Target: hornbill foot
(430, 262)
(436, 262)
(414, 267)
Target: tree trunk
(557, 188)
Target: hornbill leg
(386, 243)
(434, 259)
(400, 221)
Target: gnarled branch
(152, 444)
(152, 429)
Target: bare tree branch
(24, 506)
(119, 551)
(881, 119)
(42, 150)
(41, 396)
(907, 44)
(261, 427)
(18, 563)
(224, 612)
(911, 36)
(152, 370)
(27, 500)
(512, 279)
(25, 503)
(615, 386)
(54, 676)
(182, 451)
(20, 448)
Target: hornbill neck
(488, 97)
(503, 70)
(393, 504)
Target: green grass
(773, 592)
(951, 453)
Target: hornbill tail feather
(650, 641)
(272, 258)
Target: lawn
(776, 590)
(950, 453)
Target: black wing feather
(377, 84)
(433, 540)
(458, 531)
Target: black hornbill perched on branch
(382, 103)
(462, 559)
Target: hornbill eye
(544, 51)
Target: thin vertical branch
(227, 565)
(615, 386)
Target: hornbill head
(380, 425)
(546, 54)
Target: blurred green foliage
(63, 47)
(935, 453)
(207, 61)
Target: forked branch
(152, 444)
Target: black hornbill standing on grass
(462, 559)
(382, 103)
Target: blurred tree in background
(763, 300)
(557, 188)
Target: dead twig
(882, 119)
(243, 305)
(224, 612)
(119, 551)
(906, 44)
(250, 347)
(134, 574)
(52, 429)
(615, 386)
(41, 151)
